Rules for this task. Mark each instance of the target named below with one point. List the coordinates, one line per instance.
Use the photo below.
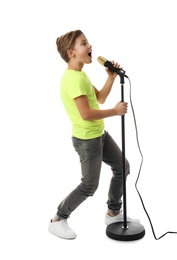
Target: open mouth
(90, 54)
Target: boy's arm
(90, 114)
(104, 92)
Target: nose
(90, 46)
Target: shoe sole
(68, 238)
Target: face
(82, 51)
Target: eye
(84, 42)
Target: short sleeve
(77, 87)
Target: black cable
(136, 129)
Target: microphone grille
(101, 60)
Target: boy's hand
(121, 108)
(111, 73)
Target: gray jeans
(92, 152)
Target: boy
(92, 143)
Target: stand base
(134, 231)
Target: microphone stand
(124, 230)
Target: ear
(70, 53)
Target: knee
(127, 167)
(88, 189)
(118, 169)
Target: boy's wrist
(112, 77)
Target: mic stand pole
(124, 231)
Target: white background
(36, 153)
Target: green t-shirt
(74, 84)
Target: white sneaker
(109, 220)
(61, 229)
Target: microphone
(109, 64)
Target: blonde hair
(67, 41)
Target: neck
(74, 66)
